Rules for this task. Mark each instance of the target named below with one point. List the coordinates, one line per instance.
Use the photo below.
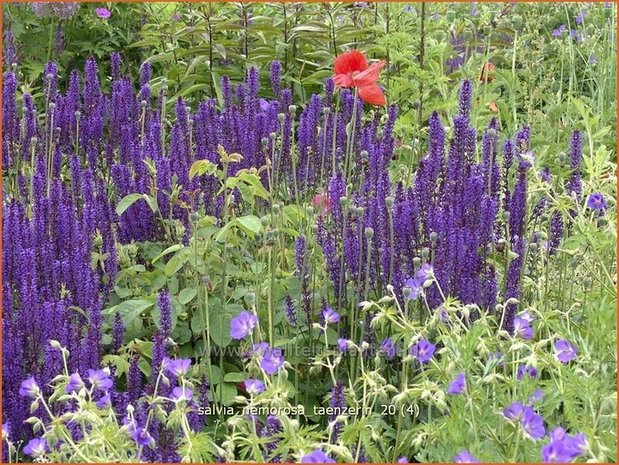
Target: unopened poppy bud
(363, 154)
(562, 157)
(361, 211)
(433, 237)
(52, 105)
(491, 133)
(326, 111)
(505, 215)
(276, 208)
(407, 292)
(517, 22)
(281, 117)
(292, 109)
(533, 246)
(143, 103)
(344, 201)
(264, 220)
(425, 253)
(264, 141)
(417, 262)
(34, 141)
(272, 135)
(78, 114)
(369, 232)
(389, 201)
(49, 76)
(314, 228)
(250, 297)
(194, 217)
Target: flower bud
(416, 262)
(250, 298)
(143, 103)
(194, 217)
(292, 109)
(389, 201)
(505, 215)
(425, 253)
(433, 237)
(369, 232)
(273, 135)
(281, 117)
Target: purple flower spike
(180, 394)
(423, 351)
(596, 201)
(317, 456)
(565, 351)
(242, 325)
(29, 388)
(272, 360)
(36, 447)
(465, 457)
(533, 424)
(100, 379)
(254, 386)
(178, 367)
(457, 385)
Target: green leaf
(187, 295)
(235, 377)
(226, 392)
(200, 167)
(131, 309)
(250, 224)
(172, 248)
(126, 202)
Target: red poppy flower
(352, 70)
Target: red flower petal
(349, 62)
(343, 80)
(372, 94)
(370, 75)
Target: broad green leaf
(250, 223)
(126, 202)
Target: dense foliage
(233, 251)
